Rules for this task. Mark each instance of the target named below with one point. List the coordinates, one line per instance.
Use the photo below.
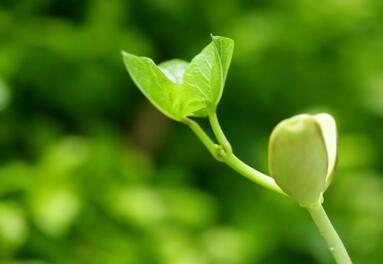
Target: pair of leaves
(302, 156)
(180, 89)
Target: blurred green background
(91, 173)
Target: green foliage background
(91, 173)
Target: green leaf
(328, 127)
(298, 158)
(225, 48)
(207, 71)
(162, 86)
(174, 70)
(180, 89)
(204, 73)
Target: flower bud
(302, 155)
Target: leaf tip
(124, 53)
(216, 38)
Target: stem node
(219, 153)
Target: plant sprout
(302, 149)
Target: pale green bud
(302, 156)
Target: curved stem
(202, 136)
(328, 232)
(256, 176)
(218, 132)
(231, 160)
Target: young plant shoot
(302, 149)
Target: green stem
(202, 136)
(328, 232)
(231, 160)
(218, 132)
(256, 176)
